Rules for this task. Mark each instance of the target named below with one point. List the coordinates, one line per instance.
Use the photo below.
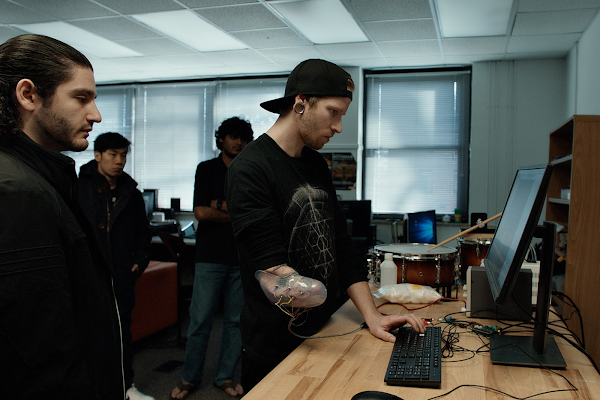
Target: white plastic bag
(406, 293)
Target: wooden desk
(337, 368)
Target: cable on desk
(425, 306)
(577, 311)
(489, 389)
(361, 326)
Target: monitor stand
(519, 351)
(539, 349)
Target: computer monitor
(516, 228)
(149, 196)
(359, 212)
(420, 227)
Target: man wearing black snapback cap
(289, 227)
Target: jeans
(210, 281)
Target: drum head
(414, 249)
(476, 238)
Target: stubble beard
(60, 131)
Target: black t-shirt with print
(284, 210)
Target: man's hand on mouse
(380, 326)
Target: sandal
(230, 385)
(184, 387)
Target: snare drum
(418, 265)
(472, 249)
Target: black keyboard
(416, 359)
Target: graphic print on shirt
(311, 241)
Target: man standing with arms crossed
(289, 227)
(59, 328)
(217, 271)
(115, 209)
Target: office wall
(515, 105)
(584, 77)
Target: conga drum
(472, 249)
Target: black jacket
(59, 328)
(122, 231)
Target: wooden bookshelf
(575, 154)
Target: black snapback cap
(313, 77)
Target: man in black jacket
(115, 208)
(59, 328)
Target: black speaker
(175, 204)
(480, 303)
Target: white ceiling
(402, 33)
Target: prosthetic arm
(292, 289)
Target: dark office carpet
(158, 364)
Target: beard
(229, 153)
(61, 131)
(307, 132)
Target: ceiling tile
(67, 9)
(384, 10)
(405, 47)
(8, 33)
(349, 50)
(556, 5)
(271, 38)
(479, 45)
(156, 46)
(189, 60)
(136, 63)
(11, 13)
(140, 6)
(545, 23)
(542, 43)
(292, 55)
(241, 18)
(237, 57)
(371, 63)
(401, 30)
(472, 58)
(116, 28)
(259, 69)
(416, 61)
(214, 3)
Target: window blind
(417, 141)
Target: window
(171, 127)
(115, 105)
(417, 141)
(172, 134)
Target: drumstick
(466, 231)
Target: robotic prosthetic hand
(292, 290)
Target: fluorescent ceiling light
(463, 18)
(188, 28)
(82, 40)
(320, 21)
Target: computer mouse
(375, 395)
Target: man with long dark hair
(217, 271)
(59, 327)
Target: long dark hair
(47, 62)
